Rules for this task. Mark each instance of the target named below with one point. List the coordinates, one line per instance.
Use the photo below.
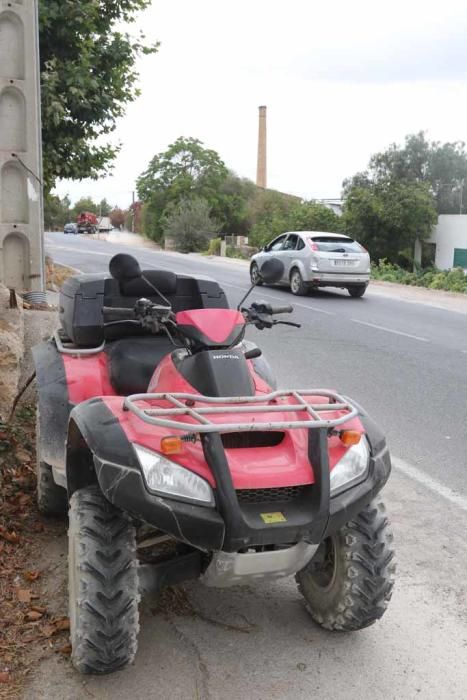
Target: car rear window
(327, 244)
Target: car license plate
(344, 262)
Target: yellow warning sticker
(270, 518)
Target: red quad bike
(162, 431)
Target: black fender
(348, 504)
(53, 402)
(375, 435)
(94, 436)
(98, 451)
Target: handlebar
(118, 314)
(260, 314)
(263, 308)
(288, 309)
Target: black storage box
(81, 302)
(82, 298)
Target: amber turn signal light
(171, 445)
(350, 437)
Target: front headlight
(351, 468)
(169, 479)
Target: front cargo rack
(280, 401)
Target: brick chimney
(261, 176)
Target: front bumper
(206, 529)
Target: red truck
(87, 222)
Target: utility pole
(261, 169)
(133, 211)
(460, 195)
(21, 198)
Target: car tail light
(312, 244)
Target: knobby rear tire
(352, 585)
(103, 584)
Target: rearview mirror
(271, 271)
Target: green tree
(314, 216)
(104, 207)
(185, 170)
(387, 218)
(56, 212)
(442, 166)
(273, 213)
(84, 204)
(270, 213)
(190, 225)
(88, 77)
(233, 205)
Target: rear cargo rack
(309, 415)
(66, 346)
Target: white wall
(449, 233)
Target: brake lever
(287, 323)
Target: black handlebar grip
(282, 309)
(115, 313)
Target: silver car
(316, 259)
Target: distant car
(315, 259)
(70, 228)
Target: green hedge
(450, 280)
(214, 246)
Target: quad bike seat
(132, 362)
(82, 298)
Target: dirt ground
(31, 627)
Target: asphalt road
(257, 642)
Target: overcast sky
(341, 80)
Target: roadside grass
(448, 280)
(56, 274)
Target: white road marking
(389, 330)
(270, 296)
(314, 308)
(438, 488)
(77, 250)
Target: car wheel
(297, 285)
(254, 275)
(357, 290)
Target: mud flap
(53, 401)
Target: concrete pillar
(417, 254)
(21, 217)
(261, 170)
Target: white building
(450, 238)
